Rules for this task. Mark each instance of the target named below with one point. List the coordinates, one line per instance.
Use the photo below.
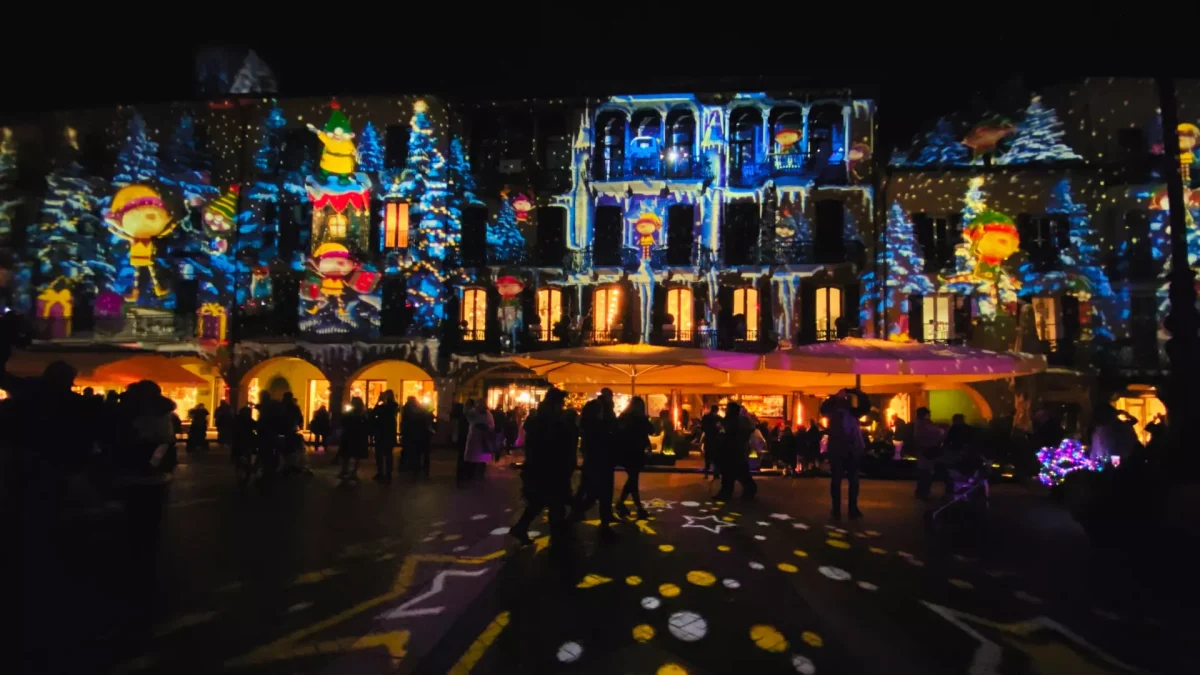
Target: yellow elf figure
(139, 215)
(335, 266)
(339, 157)
(1188, 134)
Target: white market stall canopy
(634, 366)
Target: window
(606, 313)
(681, 220)
(473, 313)
(335, 226)
(395, 153)
(745, 303)
(829, 244)
(549, 308)
(937, 236)
(739, 238)
(935, 311)
(1045, 316)
(1043, 237)
(829, 311)
(608, 236)
(395, 225)
(1138, 246)
(743, 140)
(679, 306)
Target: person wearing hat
(219, 217)
(333, 263)
(139, 216)
(598, 429)
(339, 156)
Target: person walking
(634, 429)
(223, 419)
(733, 458)
(845, 446)
(197, 437)
(481, 439)
(268, 439)
(244, 444)
(319, 425)
(597, 426)
(927, 439)
(291, 442)
(354, 439)
(416, 429)
(710, 426)
(550, 439)
(383, 419)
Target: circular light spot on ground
(671, 669)
(876, 550)
(701, 578)
(666, 548)
(668, 590)
(728, 519)
(963, 584)
(760, 537)
(458, 549)
(812, 639)
(687, 626)
(633, 580)
(835, 573)
(723, 548)
(651, 602)
(690, 504)
(756, 566)
(837, 543)
(788, 567)
(735, 514)
(915, 563)
(479, 516)
(903, 554)
(731, 583)
(1022, 595)
(860, 535)
(867, 586)
(569, 652)
(438, 523)
(768, 638)
(508, 510)
(872, 533)
(717, 503)
(643, 633)
(803, 665)
(763, 523)
(800, 526)
(534, 534)
(452, 537)
(800, 554)
(836, 535)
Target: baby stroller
(968, 486)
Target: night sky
(916, 74)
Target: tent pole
(858, 381)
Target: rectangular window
(745, 304)
(473, 313)
(829, 311)
(608, 237)
(1045, 315)
(681, 219)
(549, 306)
(937, 317)
(606, 311)
(679, 307)
(395, 225)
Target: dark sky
(916, 73)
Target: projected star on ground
(710, 523)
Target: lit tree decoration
(1059, 461)
(503, 236)
(1038, 138)
(942, 147)
(137, 162)
(8, 174)
(370, 150)
(462, 188)
(266, 156)
(904, 273)
(425, 186)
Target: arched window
(679, 307)
(606, 313)
(549, 308)
(743, 140)
(745, 304)
(472, 313)
(829, 310)
(681, 137)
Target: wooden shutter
(725, 316)
(492, 329)
(766, 309)
(808, 311)
(923, 226)
(631, 322)
(1025, 232)
(1062, 232)
(453, 327)
(851, 296)
(586, 320)
(916, 317)
(962, 318)
(659, 311)
(1069, 334)
(528, 314)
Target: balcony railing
(473, 335)
(653, 168)
(577, 260)
(603, 337)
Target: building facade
(340, 248)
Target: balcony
(577, 260)
(654, 168)
(803, 165)
(507, 257)
(159, 328)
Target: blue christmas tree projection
(462, 188)
(989, 238)
(266, 155)
(137, 161)
(1160, 238)
(425, 185)
(370, 150)
(504, 238)
(902, 274)
(8, 175)
(1038, 138)
(942, 147)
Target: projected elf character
(339, 156)
(335, 267)
(994, 239)
(219, 217)
(139, 215)
(509, 288)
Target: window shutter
(923, 225)
(850, 298)
(492, 328)
(586, 321)
(1062, 232)
(916, 317)
(398, 308)
(529, 312)
(1070, 323)
(659, 311)
(631, 313)
(766, 309)
(1025, 231)
(808, 311)
(962, 319)
(725, 315)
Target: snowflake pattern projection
(1038, 138)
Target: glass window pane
(751, 311)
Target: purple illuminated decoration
(1059, 461)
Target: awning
(32, 363)
(636, 367)
(156, 368)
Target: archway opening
(402, 378)
(944, 404)
(284, 374)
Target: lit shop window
(395, 225)
(679, 306)
(549, 307)
(473, 313)
(1045, 316)
(606, 308)
(829, 310)
(936, 315)
(335, 226)
(745, 302)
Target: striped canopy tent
(634, 368)
(875, 364)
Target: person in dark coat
(383, 421)
(549, 462)
(319, 425)
(710, 425)
(634, 429)
(245, 442)
(223, 419)
(416, 430)
(268, 437)
(597, 426)
(198, 430)
(354, 439)
(846, 446)
(734, 457)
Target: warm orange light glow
(335, 226)
(395, 221)
(473, 313)
(549, 305)
(679, 306)
(745, 302)
(606, 309)
(900, 407)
